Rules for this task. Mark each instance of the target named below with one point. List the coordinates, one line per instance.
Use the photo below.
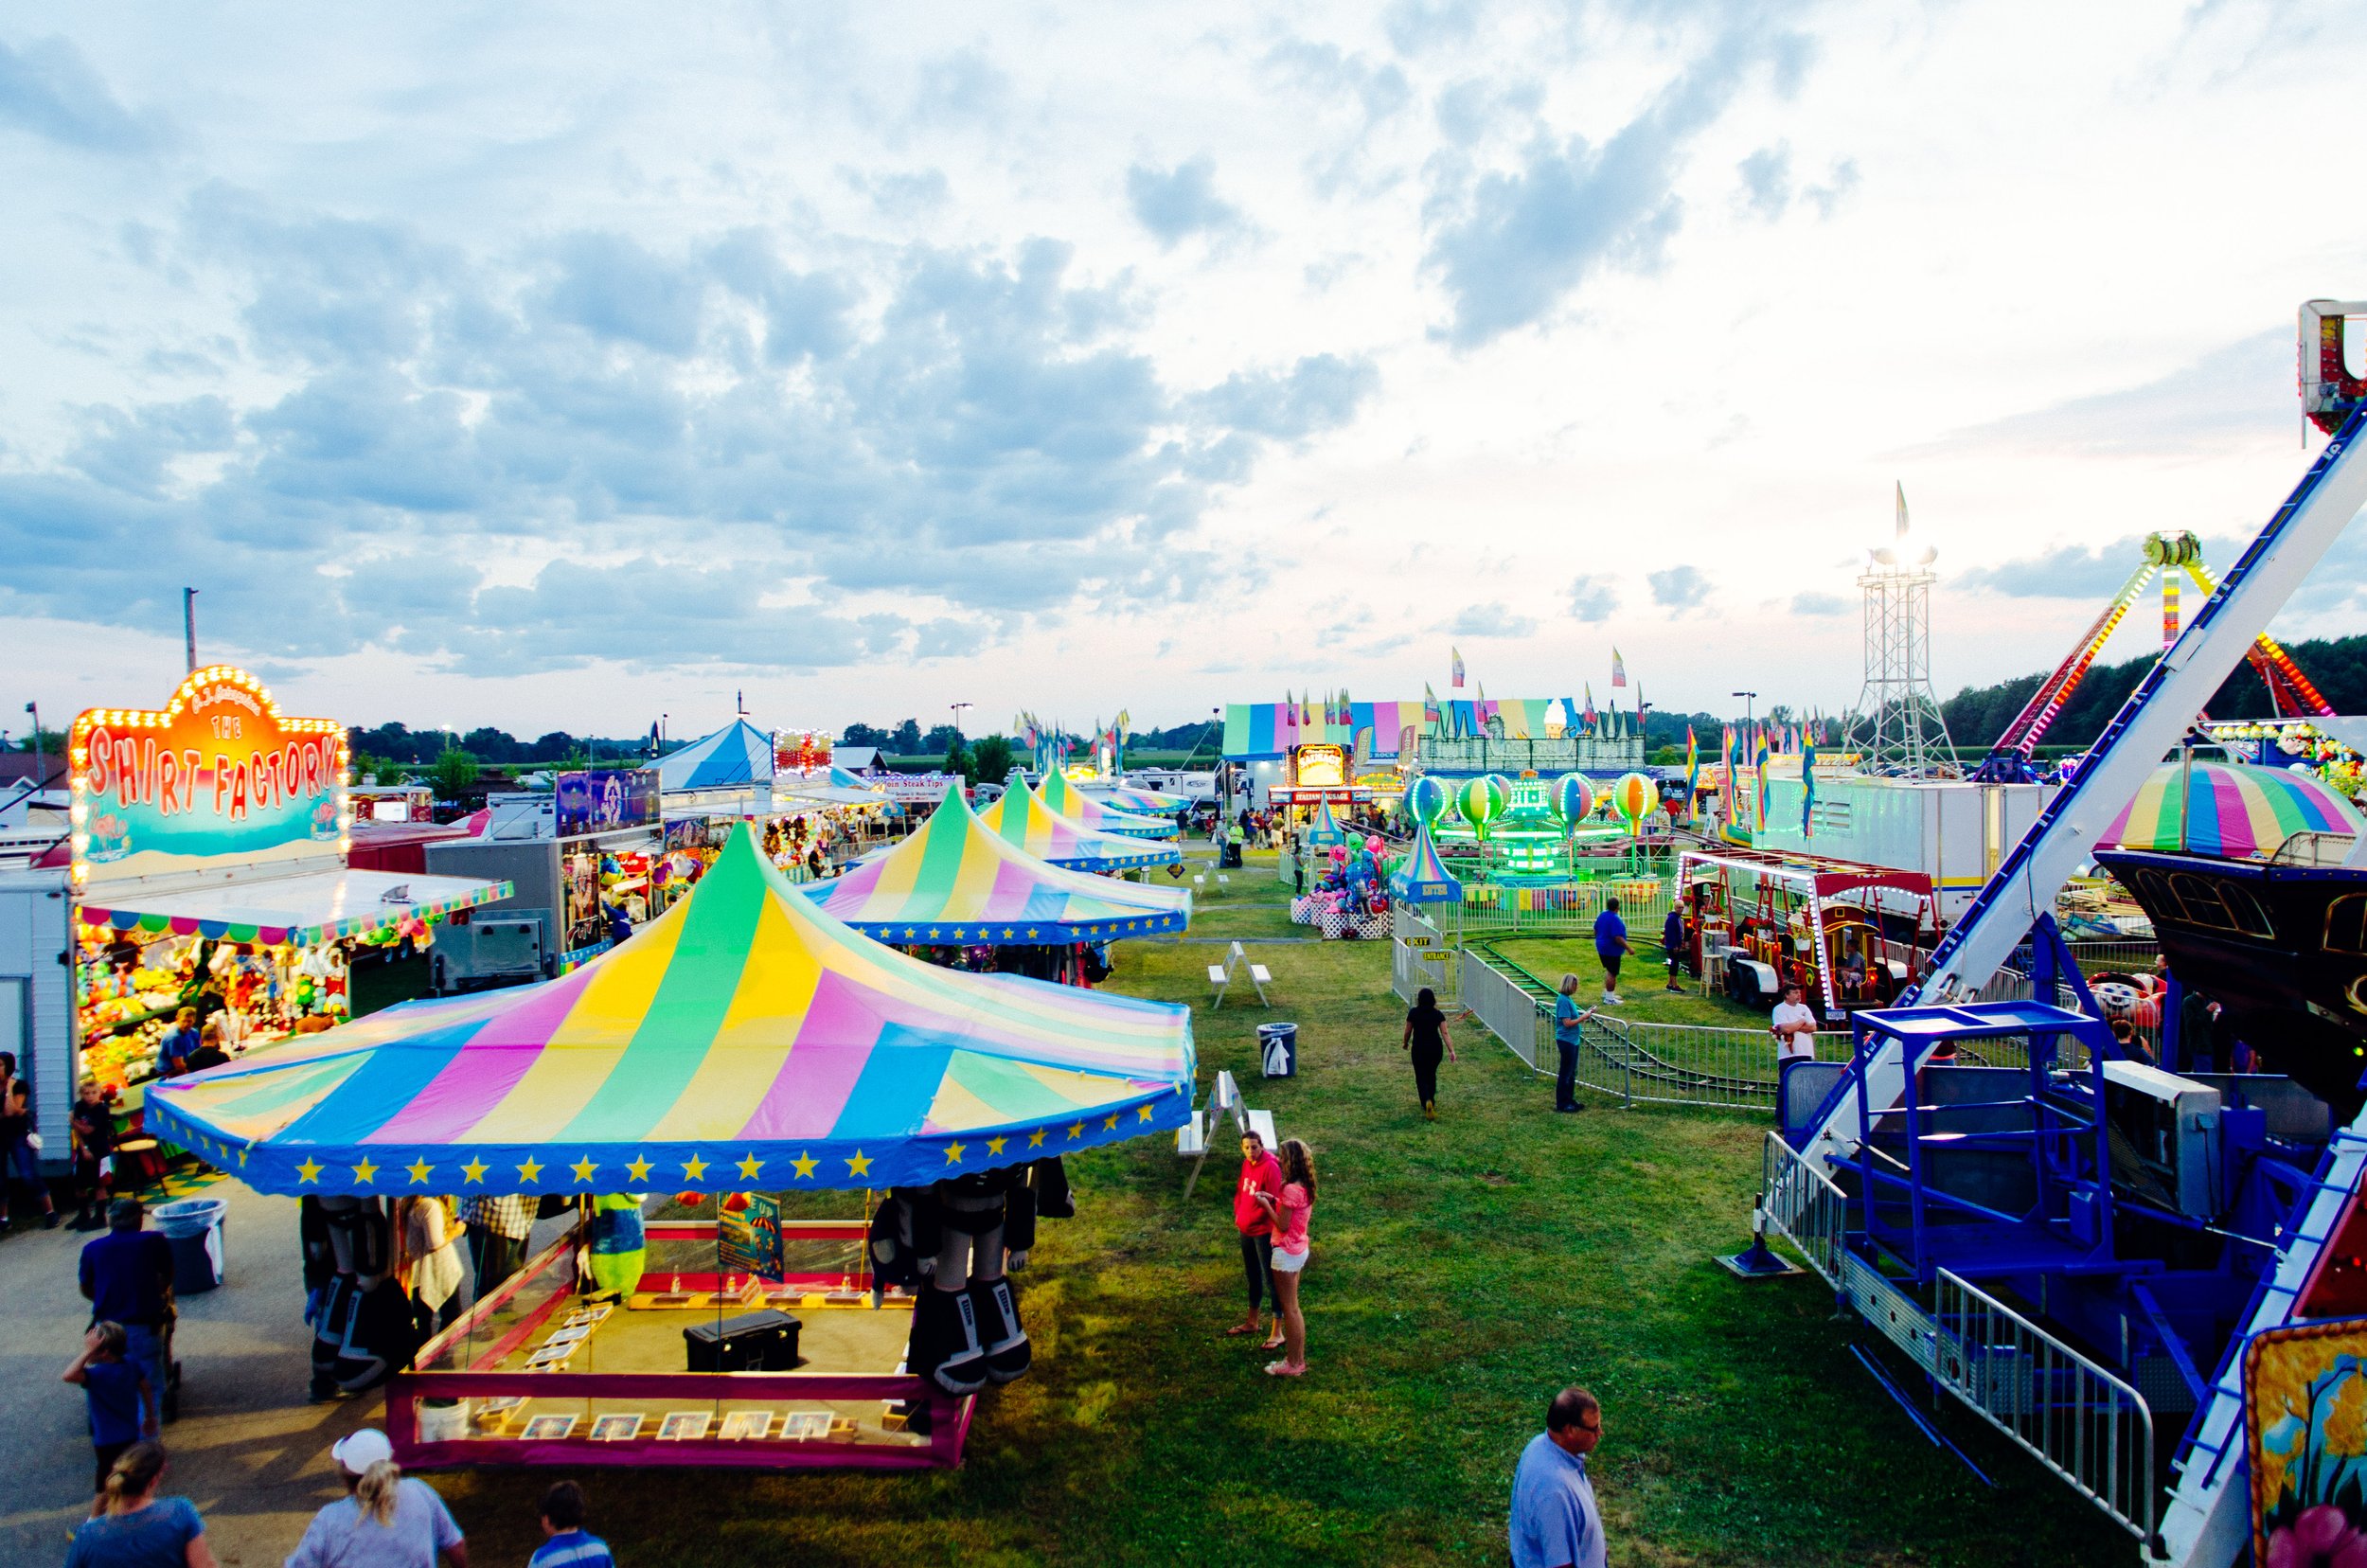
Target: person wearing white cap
(384, 1520)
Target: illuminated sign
(801, 751)
(1315, 765)
(219, 774)
(599, 800)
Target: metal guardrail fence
(2078, 1419)
(1803, 1205)
(1509, 1013)
(1569, 909)
(1688, 1064)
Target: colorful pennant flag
(1618, 668)
(1808, 791)
(1455, 662)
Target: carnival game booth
(1022, 817)
(748, 1046)
(1849, 935)
(811, 820)
(1069, 801)
(955, 883)
(209, 872)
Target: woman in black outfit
(1426, 1036)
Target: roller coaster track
(1616, 1044)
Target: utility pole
(40, 749)
(188, 624)
(958, 713)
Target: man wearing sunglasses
(1555, 1523)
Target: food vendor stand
(207, 868)
(746, 1045)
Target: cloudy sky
(556, 366)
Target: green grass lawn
(1462, 1271)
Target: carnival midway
(754, 1107)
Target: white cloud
(854, 343)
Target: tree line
(1977, 715)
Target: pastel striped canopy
(1022, 817)
(1423, 876)
(2238, 812)
(953, 882)
(742, 1040)
(1127, 799)
(1102, 818)
(1323, 827)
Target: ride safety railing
(1568, 908)
(1803, 1206)
(1686, 1063)
(1507, 1011)
(2074, 1417)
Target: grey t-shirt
(340, 1536)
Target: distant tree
(905, 738)
(454, 771)
(957, 758)
(555, 747)
(940, 738)
(990, 758)
(492, 745)
(864, 735)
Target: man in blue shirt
(1568, 1034)
(1611, 945)
(1675, 943)
(1554, 1522)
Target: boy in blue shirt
(568, 1546)
(117, 1393)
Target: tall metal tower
(1897, 730)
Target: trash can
(1278, 1046)
(192, 1227)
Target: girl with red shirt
(1261, 1176)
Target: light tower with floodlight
(1898, 730)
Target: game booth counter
(207, 868)
(746, 1047)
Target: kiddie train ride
(2077, 1243)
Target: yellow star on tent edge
(994, 1146)
(474, 1170)
(639, 1167)
(694, 1170)
(530, 1169)
(420, 1170)
(803, 1164)
(364, 1172)
(749, 1165)
(583, 1168)
(859, 1165)
(953, 1154)
(309, 1170)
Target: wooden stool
(139, 1164)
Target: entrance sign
(220, 773)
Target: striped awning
(742, 1040)
(954, 881)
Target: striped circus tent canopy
(1325, 829)
(737, 754)
(2239, 812)
(1069, 801)
(1127, 799)
(1423, 879)
(952, 881)
(742, 1040)
(1022, 817)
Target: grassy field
(1462, 1271)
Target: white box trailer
(1952, 830)
(37, 999)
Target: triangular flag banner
(1455, 658)
(1618, 668)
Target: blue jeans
(144, 1347)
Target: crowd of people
(385, 1519)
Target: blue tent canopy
(737, 754)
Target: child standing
(1290, 1211)
(117, 1393)
(568, 1546)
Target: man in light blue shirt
(1555, 1523)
